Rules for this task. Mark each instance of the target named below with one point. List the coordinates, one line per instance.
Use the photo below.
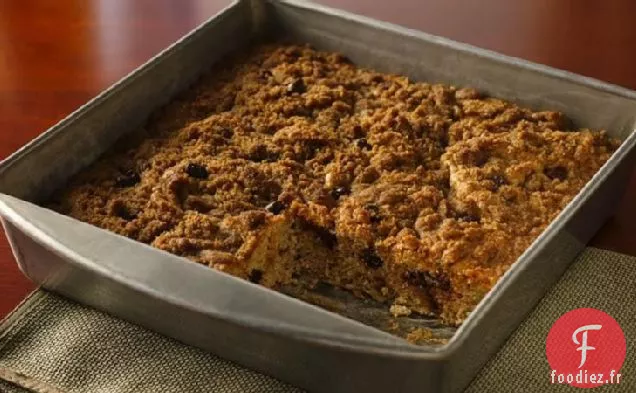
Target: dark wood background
(55, 55)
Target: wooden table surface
(56, 55)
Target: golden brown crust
(295, 164)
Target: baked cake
(290, 165)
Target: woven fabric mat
(53, 345)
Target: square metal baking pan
(270, 332)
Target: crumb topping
(288, 162)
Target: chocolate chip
(466, 217)
(371, 259)
(374, 213)
(255, 276)
(275, 207)
(557, 172)
(357, 131)
(128, 179)
(297, 86)
(197, 171)
(265, 74)
(498, 181)
(227, 133)
(122, 211)
(362, 144)
(338, 192)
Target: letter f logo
(584, 347)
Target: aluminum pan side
(188, 285)
(314, 365)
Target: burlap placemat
(52, 345)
